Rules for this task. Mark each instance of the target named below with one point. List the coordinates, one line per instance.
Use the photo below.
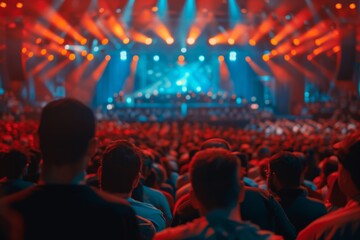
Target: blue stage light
(232, 56)
(156, 58)
(128, 100)
(110, 99)
(183, 50)
(238, 100)
(198, 89)
(123, 55)
(201, 58)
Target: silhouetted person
(217, 193)
(284, 179)
(343, 223)
(62, 206)
(13, 165)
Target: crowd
(67, 176)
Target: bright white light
(156, 58)
(128, 100)
(184, 89)
(198, 89)
(109, 106)
(123, 55)
(67, 47)
(96, 49)
(232, 56)
(188, 97)
(201, 58)
(183, 50)
(254, 106)
(253, 99)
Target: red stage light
(72, 57)
(43, 51)
(3, 4)
(51, 58)
(247, 59)
(266, 57)
(252, 42)
(19, 5)
(105, 41)
(90, 57)
(338, 6)
(352, 6)
(108, 58)
(296, 42)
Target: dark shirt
(300, 209)
(73, 212)
(258, 207)
(12, 186)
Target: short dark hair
(215, 143)
(214, 177)
(287, 167)
(66, 127)
(349, 156)
(121, 164)
(13, 163)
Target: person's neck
(123, 195)
(65, 174)
(233, 214)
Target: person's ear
(136, 181)
(195, 202)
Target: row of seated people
(179, 185)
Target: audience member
(61, 206)
(284, 179)
(343, 223)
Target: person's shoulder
(143, 205)
(188, 230)
(19, 197)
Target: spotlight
(212, 41)
(136, 58)
(148, 41)
(181, 58)
(266, 57)
(83, 41)
(169, 40)
(108, 58)
(201, 58)
(43, 51)
(231, 41)
(190, 41)
(105, 41)
(101, 10)
(154, 9)
(274, 52)
(90, 57)
(96, 49)
(221, 58)
(252, 42)
(31, 54)
(248, 59)
(83, 53)
(274, 42)
(51, 57)
(72, 57)
(293, 52)
(126, 40)
(3, 4)
(287, 58)
(63, 52)
(352, 6)
(23, 50)
(19, 5)
(232, 56)
(296, 42)
(38, 41)
(338, 6)
(123, 55)
(156, 58)
(183, 50)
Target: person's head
(121, 167)
(215, 178)
(215, 143)
(66, 133)
(14, 164)
(349, 165)
(284, 171)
